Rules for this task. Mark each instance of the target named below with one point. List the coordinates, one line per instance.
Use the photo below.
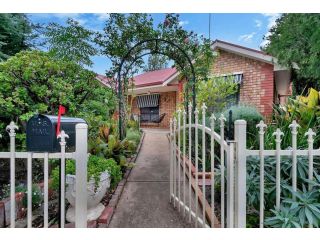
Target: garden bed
(114, 198)
(110, 201)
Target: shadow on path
(145, 198)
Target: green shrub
(251, 115)
(245, 112)
(214, 92)
(285, 217)
(96, 165)
(133, 135)
(133, 124)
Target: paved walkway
(145, 198)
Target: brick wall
(257, 87)
(167, 103)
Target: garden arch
(152, 45)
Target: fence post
(171, 160)
(230, 184)
(11, 129)
(240, 133)
(81, 157)
(63, 143)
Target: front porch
(155, 115)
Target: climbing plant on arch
(124, 31)
(154, 46)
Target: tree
(32, 82)
(296, 39)
(123, 31)
(15, 34)
(156, 62)
(72, 42)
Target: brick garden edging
(106, 216)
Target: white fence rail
(293, 152)
(233, 160)
(80, 156)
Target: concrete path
(145, 198)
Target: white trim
(170, 79)
(260, 56)
(242, 51)
(103, 83)
(225, 74)
(147, 89)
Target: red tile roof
(151, 78)
(104, 80)
(239, 46)
(156, 77)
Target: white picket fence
(80, 156)
(234, 155)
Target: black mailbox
(41, 133)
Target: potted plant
(102, 173)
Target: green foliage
(133, 135)
(214, 92)
(133, 124)
(304, 198)
(156, 62)
(251, 115)
(283, 117)
(32, 82)
(296, 39)
(71, 42)
(306, 205)
(36, 194)
(15, 33)
(108, 145)
(283, 218)
(123, 31)
(96, 165)
(302, 211)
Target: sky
(239, 28)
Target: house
(156, 96)
(262, 82)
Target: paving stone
(144, 201)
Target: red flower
(166, 22)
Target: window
(148, 114)
(234, 98)
(149, 107)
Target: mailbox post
(41, 133)
(41, 137)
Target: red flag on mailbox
(62, 110)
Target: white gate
(80, 156)
(184, 177)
